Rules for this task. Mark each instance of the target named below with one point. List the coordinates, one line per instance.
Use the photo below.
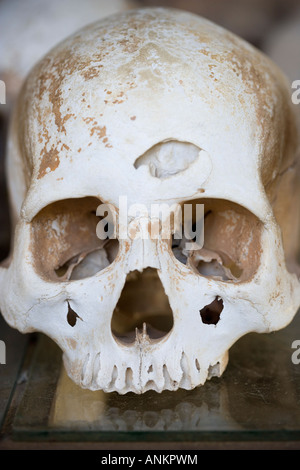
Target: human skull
(160, 106)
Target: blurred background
(29, 28)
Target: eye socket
(231, 249)
(65, 242)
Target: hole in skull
(66, 246)
(72, 316)
(231, 249)
(210, 314)
(143, 308)
(168, 158)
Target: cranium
(160, 106)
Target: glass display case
(256, 399)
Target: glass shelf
(257, 398)
(15, 346)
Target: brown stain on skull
(68, 60)
(71, 343)
(96, 129)
(51, 81)
(91, 72)
(250, 70)
(264, 86)
(50, 162)
(100, 131)
(54, 70)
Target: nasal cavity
(143, 310)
